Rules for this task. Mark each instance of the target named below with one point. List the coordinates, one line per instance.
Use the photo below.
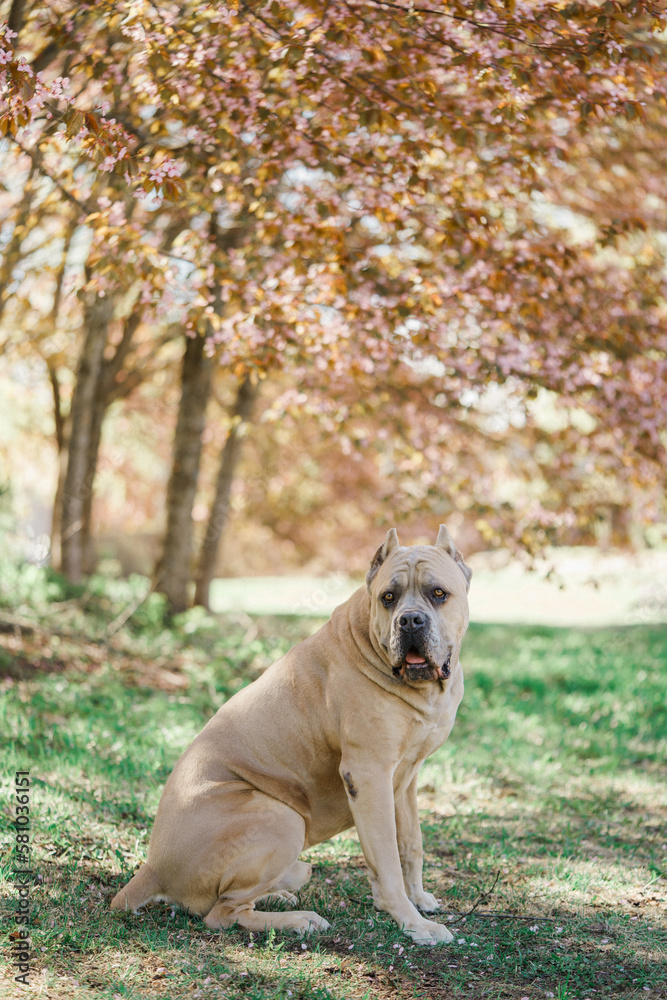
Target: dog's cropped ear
(390, 543)
(445, 541)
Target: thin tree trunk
(231, 452)
(11, 255)
(58, 417)
(56, 558)
(61, 436)
(96, 388)
(107, 391)
(98, 412)
(172, 573)
(97, 316)
(60, 420)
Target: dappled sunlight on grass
(544, 838)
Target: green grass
(544, 814)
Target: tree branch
(12, 253)
(37, 160)
(57, 406)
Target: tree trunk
(60, 419)
(172, 573)
(61, 444)
(107, 391)
(12, 253)
(78, 482)
(100, 405)
(97, 386)
(245, 398)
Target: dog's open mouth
(415, 667)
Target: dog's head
(419, 606)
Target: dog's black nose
(411, 621)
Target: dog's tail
(142, 888)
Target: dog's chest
(421, 740)
(427, 731)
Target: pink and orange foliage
(380, 207)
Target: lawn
(544, 816)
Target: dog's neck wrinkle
(376, 667)
(358, 624)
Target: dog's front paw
(425, 901)
(428, 932)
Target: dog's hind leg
(142, 888)
(226, 912)
(265, 863)
(291, 879)
(294, 877)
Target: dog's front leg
(409, 837)
(371, 798)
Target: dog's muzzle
(415, 664)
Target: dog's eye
(439, 594)
(388, 597)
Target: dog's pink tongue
(414, 658)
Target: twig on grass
(497, 916)
(506, 916)
(482, 913)
(483, 897)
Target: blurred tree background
(277, 274)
